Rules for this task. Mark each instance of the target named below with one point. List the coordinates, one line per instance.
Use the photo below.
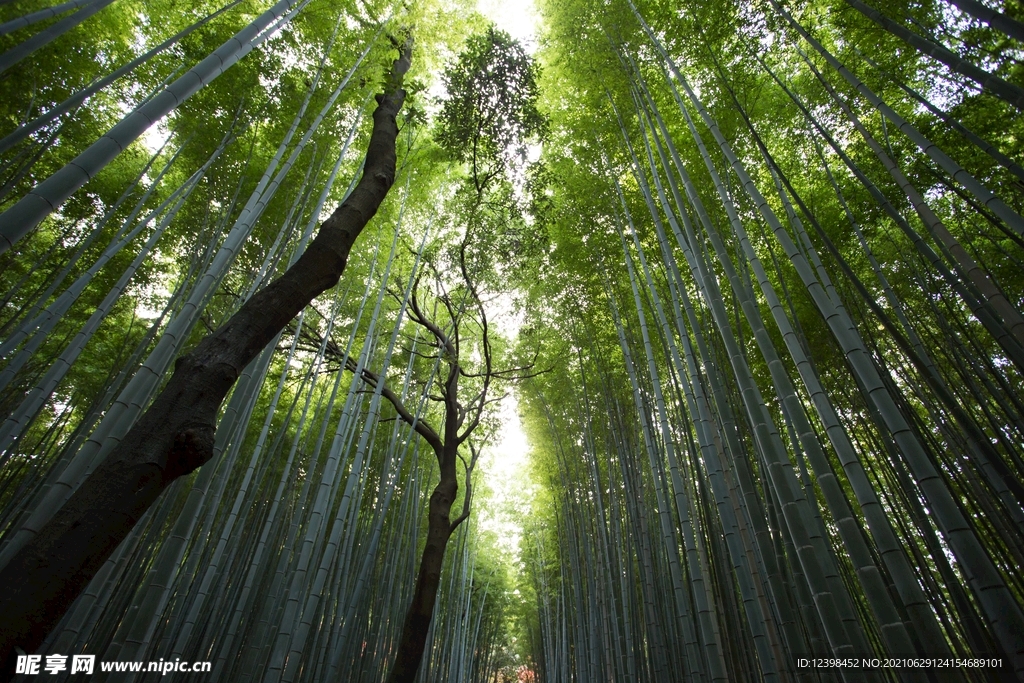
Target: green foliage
(490, 114)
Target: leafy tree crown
(490, 112)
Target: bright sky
(518, 18)
(503, 464)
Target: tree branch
(421, 427)
(468, 498)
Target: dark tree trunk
(175, 436)
(439, 523)
(421, 610)
(440, 526)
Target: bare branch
(468, 498)
(417, 316)
(509, 374)
(413, 352)
(421, 427)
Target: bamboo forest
(470, 341)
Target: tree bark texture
(176, 434)
(439, 525)
(428, 580)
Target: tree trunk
(176, 434)
(421, 611)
